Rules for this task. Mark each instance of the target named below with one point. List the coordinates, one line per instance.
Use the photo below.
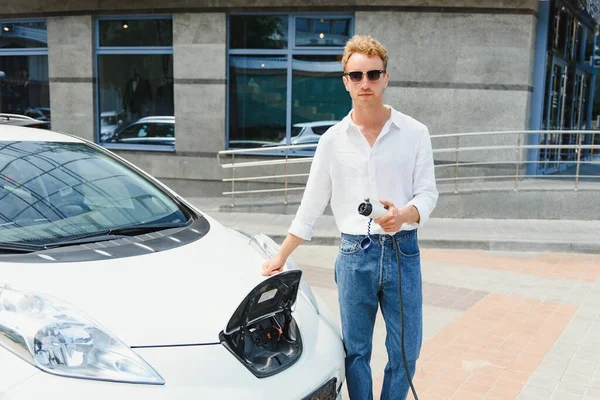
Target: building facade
(238, 74)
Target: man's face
(366, 92)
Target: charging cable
(373, 211)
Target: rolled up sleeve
(316, 195)
(425, 193)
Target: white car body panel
(210, 372)
(181, 294)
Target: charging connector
(372, 210)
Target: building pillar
(70, 69)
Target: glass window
(21, 35)
(24, 84)
(257, 90)
(136, 32)
(24, 87)
(289, 83)
(258, 32)
(320, 32)
(133, 86)
(49, 191)
(319, 98)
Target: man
(137, 97)
(380, 153)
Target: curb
(471, 244)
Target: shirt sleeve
(425, 193)
(316, 195)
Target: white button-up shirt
(346, 170)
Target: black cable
(397, 249)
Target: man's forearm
(288, 246)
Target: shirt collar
(396, 118)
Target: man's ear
(345, 83)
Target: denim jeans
(367, 279)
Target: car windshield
(296, 130)
(52, 192)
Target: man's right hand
(273, 266)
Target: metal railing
(557, 156)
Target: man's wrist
(417, 215)
(410, 214)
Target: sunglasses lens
(355, 76)
(374, 75)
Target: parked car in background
(308, 132)
(22, 120)
(249, 144)
(147, 130)
(39, 113)
(110, 122)
(112, 286)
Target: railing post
(285, 192)
(232, 180)
(579, 138)
(456, 165)
(518, 162)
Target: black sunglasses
(357, 76)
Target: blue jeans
(367, 279)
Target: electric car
(112, 287)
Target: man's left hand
(395, 217)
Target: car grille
(326, 392)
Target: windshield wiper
(7, 247)
(115, 233)
(101, 236)
(145, 228)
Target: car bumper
(208, 371)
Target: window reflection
(20, 35)
(54, 190)
(322, 32)
(257, 110)
(24, 87)
(319, 98)
(258, 32)
(136, 32)
(136, 89)
(291, 83)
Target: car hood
(185, 295)
(108, 128)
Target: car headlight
(268, 248)
(59, 339)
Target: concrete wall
(200, 65)
(459, 72)
(45, 7)
(70, 70)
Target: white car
(155, 130)
(114, 287)
(309, 132)
(110, 122)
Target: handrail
(576, 149)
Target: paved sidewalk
(482, 234)
(497, 325)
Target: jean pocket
(409, 246)
(349, 246)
